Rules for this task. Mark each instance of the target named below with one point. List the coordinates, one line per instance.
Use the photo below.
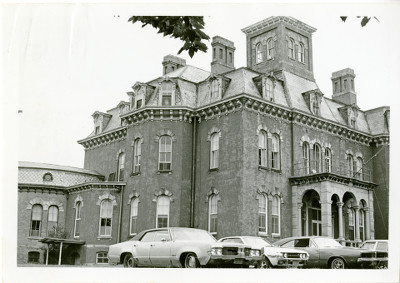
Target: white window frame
(51, 214)
(35, 214)
(167, 89)
(77, 221)
(164, 151)
(214, 91)
(350, 165)
(106, 233)
(213, 213)
(317, 158)
(359, 168)
(121, 166)
(137, 155)
(262, 149)
(300, 53)
(133, 216)
(328, 160)
(270, 48)
(269, 89)
(361, 224)
(214, 150)
(263, 211)
(306, 157)
(275, 152)
(163, 209)
(291, 48)
(352, 220)
(103, 257)
(277, 214)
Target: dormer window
(314, 105)
(167, 89)
(259, 56)
(270, 48)
(269, 89)
(214, 89)
(352, 118)
(138, 103)
(97, 130)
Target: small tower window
(291, 48)
(214, 53)
(300, 54)
(270, 48)
(221, 53)
(345, 84)
(230, 57)
(259, 58)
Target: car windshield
(326, 242)
(256, 242)
(192, 235)
(382, 246)
(368, 245)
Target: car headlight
(216, 251)
(284, 255)
(254, 252)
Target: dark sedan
(324, 252)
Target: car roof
(302, 237)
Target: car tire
(338, 263)
(264, 263)
(191, 261)
(129, 261)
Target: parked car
(181, 247)
(376, 254)
(273, 257)
(324, 252)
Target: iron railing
(307, 167)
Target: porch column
(47, 254)
(299, 220)
(59, 255)
(367, 226)
(340, 212)
(357, 210)
(326, 218)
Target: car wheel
(264, 263)
(191, 261)
(129, 261)
(337, 263)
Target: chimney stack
(223, 59)
(171, 63)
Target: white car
(274, 257)
(181, 247)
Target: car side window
(301, 243)
(289, 244)
(232, 240)
(148, 237)
(161, 236)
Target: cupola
(223, 55)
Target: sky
(62, 62)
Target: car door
(160, 249)
(142, 249)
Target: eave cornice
(116, 186)
(317, 178)
(381, 139)
(42, 188)
(104, 138)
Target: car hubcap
(338, 264)
(191, 262)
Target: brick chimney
(223, 59)
(171, 63)
(343, 87)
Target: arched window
(350, 165)
(270, 48)
(351, 222)
(328, 160)
(291, 48)
(359, 168)
(259, 57)
(314, 105)
(213, 214)
(137, 155)
(269, 89)
(52, 219)
(106, 211)
(306, 158)
(317, 157)
(134, 214)
(275, 153)
(214, 151)
(361, 224)
(78, 207)
(121, 165)
(165, 153)
(262, 213)
(262, 148)
(276, 216)
(33, 257)
(300, 53)
(36, 220)
(163, 203)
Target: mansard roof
(37, 165)
(376, 120)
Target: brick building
(256, 150)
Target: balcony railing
(306, 167)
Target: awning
(49, 240)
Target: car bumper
(373, 262)
(290, 263)
(231, 260)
